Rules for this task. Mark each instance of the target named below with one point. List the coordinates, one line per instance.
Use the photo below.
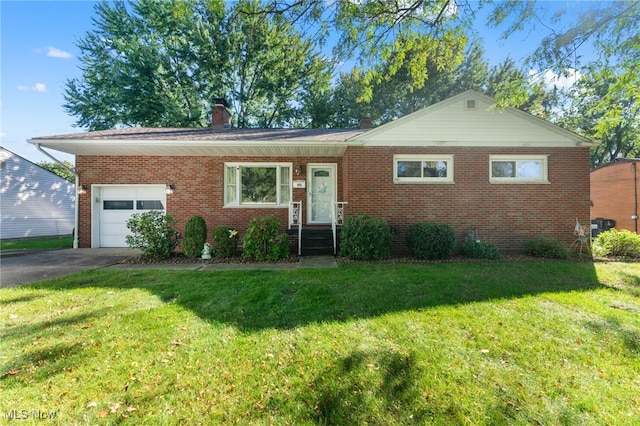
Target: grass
(474, 343)
(37, 243)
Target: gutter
(76, 218)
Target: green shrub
(225, 242)
(263, 240)
(195, 235)
(477, 250)
(365, 238)
(617, 243)
(548, 248)
(153, 233)
(430, 240)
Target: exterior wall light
(299, 170)
(82, 189)
(170, 188)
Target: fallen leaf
(115, 407)
(92, 404)
(12, 372)
(484, 351)
(103, 413)
(84, 327)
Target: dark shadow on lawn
(256, 300)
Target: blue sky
(39, 53)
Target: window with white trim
(257, 184)
(423, 168)
(518, 168)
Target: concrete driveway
(25, 266)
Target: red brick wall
(504, 214)
(198, 184)
(613, 193)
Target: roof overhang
(150, 147)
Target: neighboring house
(614, 193)
(506, 174)
(33, 201)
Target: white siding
(452, 123)
(33, 201)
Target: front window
(518, 169)
(423, 168)
(257, 184)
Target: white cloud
(38, 87)
(551, 79)
(54, 52)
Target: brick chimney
(220, 116)
(365, 123)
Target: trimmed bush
(477, 250)
(225, 242)
(617, 243)
(153, 233)
(428, 240)
(263, 240)
(195, 235)
(547, 248)
(365, 238)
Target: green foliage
(225, 242)
(480, 250)
(160, 63)
(365, 238)
(428, 240)
(153, 233)
(195, 235)
(264, 241)
(617, 243)
(548, 248)
(64, 172)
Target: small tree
(153, 233)
(225, 242)
(195, 235)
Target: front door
(321, 192)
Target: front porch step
(315, 241)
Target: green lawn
(39, 243)
(440, 343)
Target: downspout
(77, 179)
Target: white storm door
(321, 192)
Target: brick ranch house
(506, 174)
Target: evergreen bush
(548, 248)
(225, 242)
(365, 238)
(617, 243)
(264, 241)
(153, 233)
(195, 235)
(476, 250)
(428, 240)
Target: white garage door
(118, 203)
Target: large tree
(161, 63)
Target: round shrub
(195, 235)
(428, 240)
(365, 238)
(547, 248)
(153, 233)
(264, 241)
(477, 250)
(622, 243)
(225, 242)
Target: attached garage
(113, 205)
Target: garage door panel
(119, 203)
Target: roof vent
(471, 104)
